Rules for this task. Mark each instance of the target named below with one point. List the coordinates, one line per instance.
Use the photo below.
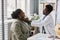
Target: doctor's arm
(40, 23)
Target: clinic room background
(33, 10)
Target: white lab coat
(48, 24)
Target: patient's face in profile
(22, 15)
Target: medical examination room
(29, 19)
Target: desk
(40, 36)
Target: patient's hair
(49, 8)
(16, 13)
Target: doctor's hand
(51, 36)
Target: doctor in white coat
(46, 20)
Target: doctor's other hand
(32, 28)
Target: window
(11, 6)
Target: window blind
(0, 20)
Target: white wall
(50, 1)
(33, 6)
(58, 12)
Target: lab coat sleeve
(41, 22)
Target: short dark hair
(49, 7)
(16, 13)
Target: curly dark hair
(49, 7)
(16, 13)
